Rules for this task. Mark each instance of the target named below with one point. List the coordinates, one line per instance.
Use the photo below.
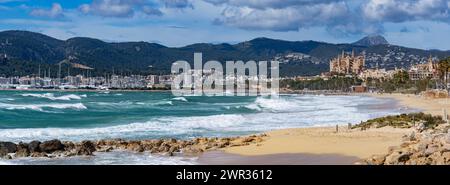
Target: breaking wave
(180, 99)
(52, 96)
(41, 107)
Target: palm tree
(444, 67)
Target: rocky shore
(430, 147)
(169, 147)
(426, 145)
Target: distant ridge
(372, 40)
(27, 51)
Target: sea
(77, 116)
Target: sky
(421, 24)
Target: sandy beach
(350, 143)
(427, 105)
(325, 140)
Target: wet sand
(223, 158)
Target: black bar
(279, 174)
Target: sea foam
(52, 96)
(180, 99)
(41, 107)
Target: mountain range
(23, 53)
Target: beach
(300, 129)
(432, 106)
(310, 144)
(315, 142)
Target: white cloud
(284, 19)
(55, 11)
(337, 16)
(109, 8)
(406, 10)
(264, 4)
(127, 8)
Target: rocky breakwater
(170, 147)
(427, 144)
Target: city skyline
(182, 22)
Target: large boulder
(85, 148)
(51, 146)
(397, 157)
(22, 150)
(135, 146)
(68, 145)
(8, 147)
(376, 160)
(33, 146)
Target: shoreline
(355, 143)
(433, 106)
(312, 145)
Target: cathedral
(347, 64)
(427, 70)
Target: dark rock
(193, 150)
(22, 150)
(163, 148)
(171, 141)
(135, 146)
(446, 157)
(33, 146)
(51, 146)
(196, 141)
(147, 147)
(404, 157)
(3, 153)
(85, 148)
(68, 145)
(248, 139)
(173, 149)
(158, 142)
(223, 144)
(182, 144)
(8, 147)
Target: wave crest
(41, 107)
(52, 96)
(180, 99)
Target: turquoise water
(26, 115)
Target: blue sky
(414, 23)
